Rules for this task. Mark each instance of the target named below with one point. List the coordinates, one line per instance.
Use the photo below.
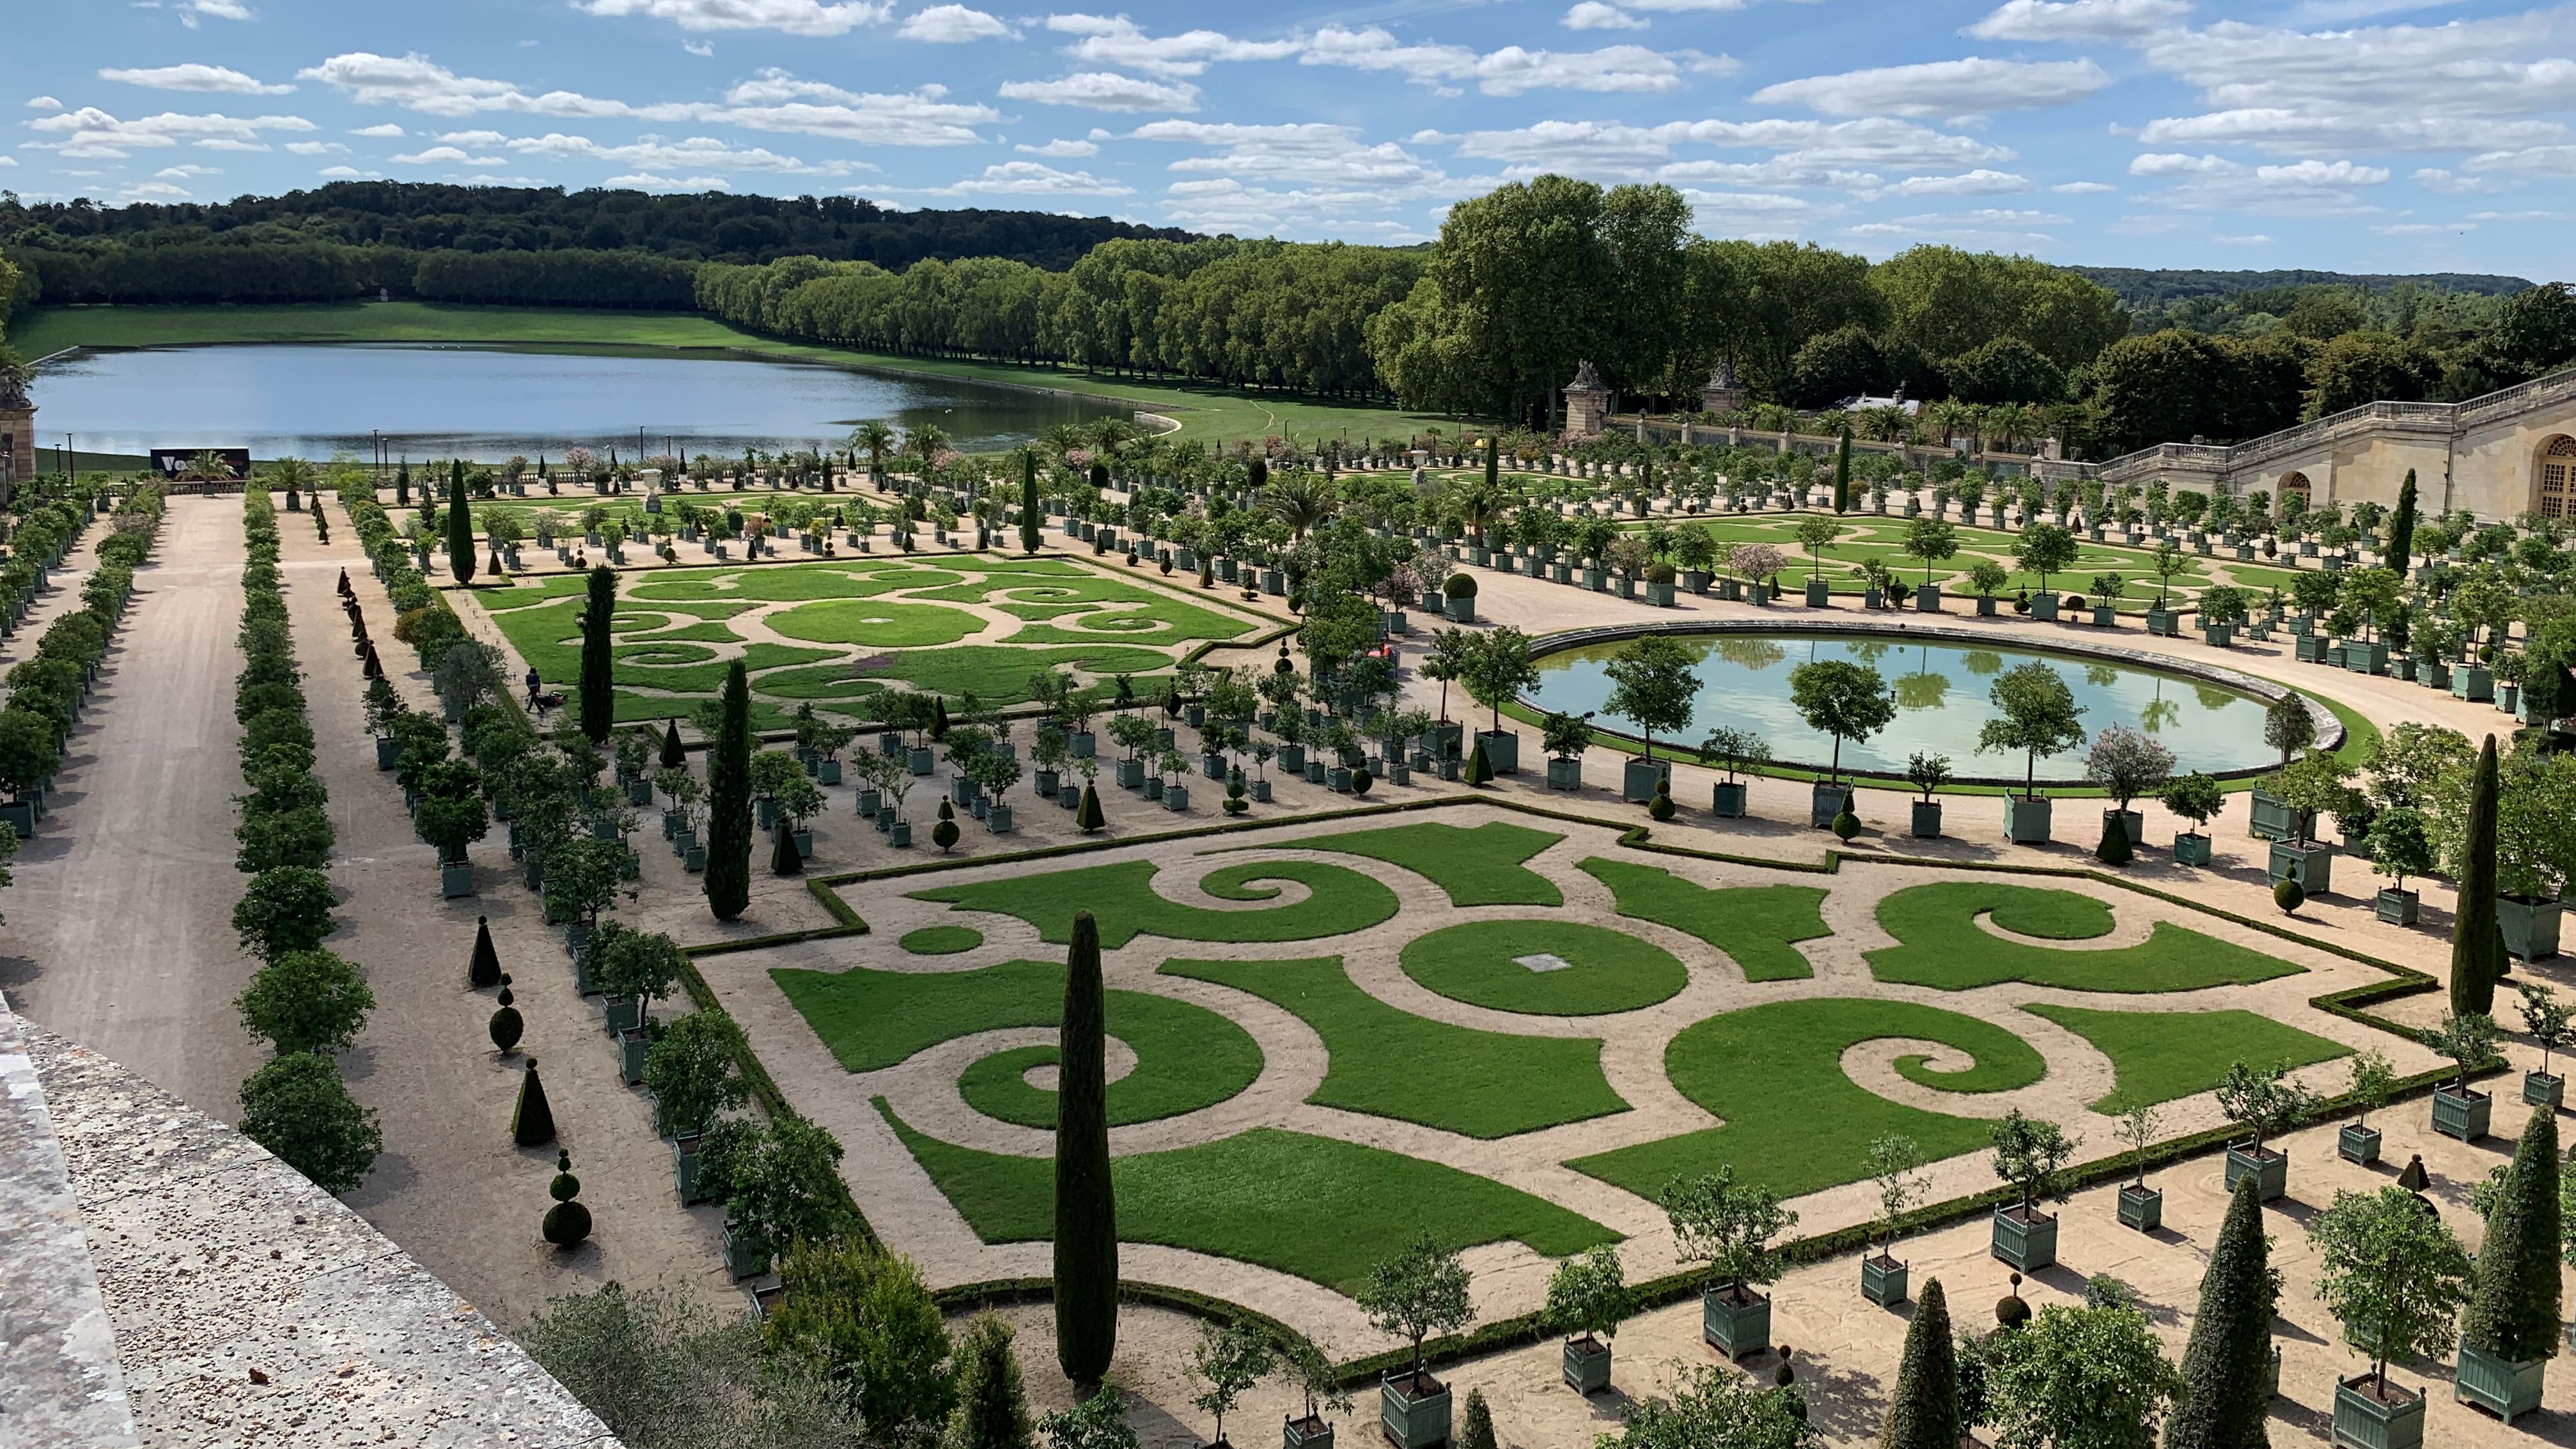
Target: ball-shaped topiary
(944, 834)
(1361, 780)
(506, 1026)
(1460, 586)
(1661, 807)
(567, 1222)
(2289, 895)
(1846, 824)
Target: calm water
(311, 401)
(1942, 700)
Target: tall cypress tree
(1842, 472)
(1029, 500)
(460, 526)
(598, 693)
(2223, 1403)
(1925, 1412)
(2401, 527)
(1493, 462)
(729, 802)
(1086, 1209)
(2513, 1293)
(2477, 941)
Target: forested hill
(706, 226)
(2143, 289)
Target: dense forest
(1524, 284)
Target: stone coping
(2330, 730)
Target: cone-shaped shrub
(2224, 1402)
(460, 526)
(1087, 817)
(785, 858)
(1476, 1424)
(506, 1027)
(1925, 1413)
(992, 1408)
(2477, 943)
(674, 754)
(533, 1124)
(2114, 849)
(1086, 1211)
(567, 1222)
(2513, 1293)
(1480, 771)
(484, 971)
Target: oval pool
(1941, 701)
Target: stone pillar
(1587, 402)
(1722, 393)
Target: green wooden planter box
(1727, 801)
(1502, 750)
(2311, 647)
(632, 1045)
(2462, 1115)
(1883, 1280)
(1819, 593)
(622, 1013)
(684, 1168)
(2396, 907)
(2501, 1386)
(2271, 820)
(2025, 1244)
(745, 1257)
(1639, 779)
(1413, 1412)
(2364, 1422)
(2191, 849)
(2270, 1169)
(2312, 867)
(2544, 1089)
(1927, 820)
(2473, 682)
(2530, 926)
(2142, 1208)
(1315, 1432)
(1564, 774)
(2026, 819)
(455, 879)
(1824, 802)
(1587, 1365)
(2357, 1144)
(1735, 1328)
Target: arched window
(2558, 478)
(2292, 485)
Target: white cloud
(90, 133)
(2534, 160)
(1510, 71)
(702, 49)
(344, 173)
(472, 138)
(2424, 228)
(1101, 90)
(953, 25)
(444, 156)
(383, 132)
(8, 160)
(416, 83)
(2082, 188)
(155, 191)
(43, 103)
(697, 153)
(2176, 164)
(1313, 153)
(1033, 178)
(2077, 19)
(1942, 88)
(1117, 41)
(647, 181)
(2437, 178)
(1060, 148)
(195, 77)
(1594, 15)
(1980, 182)
(795, 17)
(2305, 188)
(316, 148)
(1227, 205)
(182, 173)
(1872, 141)
(2255, 239)
(219, 9)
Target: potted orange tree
(2262, 1102)
(1586, 1298)
(2373, 1082)
(1729, 1226)
(2394, 1276)
(2030, 1154)
(1893, 1162)
(1420, 1291)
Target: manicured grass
(1756, 926)
(1479, 867)
(876, 623)
(1323, 1210)
(941, 940)
(998, 674)
(1480, 963)
(1391, 1063)
(1793, 1121)
(1187, 1056)
(2160, 1056)
(1122, 898)
(1943, 947)
(1193, 1066)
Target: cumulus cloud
(953, 25)
(1594, 15)
(43, 103)
(1942, 88)
(697, 153)
(2450, 183)
(647, 181)
(444, 156)
(316, 148)
(219, 9)
(1101, 90)
(182, 173)
(2532, 160)
(1980, 182)
(383, 132)
(92, 134)
(195, 77)
(2082, 188)
(1117, 41)
(1315, 154)
(2077, 19)
(1871, 141)
(1032, 178)
(2304, 188)
(154, 191)
(794, 17)
(1510, 71)
(344, 173)
(1060, 147)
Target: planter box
(1985, 606)
(1131, 773)
(1927, 598)
(2474, 682)
(2312, 867)
(2530, 926)
(1413, 1411)
(2357, 1144)
(745, 1257)
(2142, 1208)
(455, 879)
(2191, 849)
(2269, 1167)
(1727, 801)
(1927, 819)
(1587, 1365)
(388, 753)
(2363, 658)
(920, 762)
(2026, 819)
(1176, 798)
(684, 1168)
(2165, 622)
(621, 1013)
(2132, 824)
(2396, 907)
(1315, 1432)
(1565, 774)
(1735, 1322)
(1819, 594)
(2043, 607)
(2221, 635)
(639, 792)
(1502, 750)
(1882, 1280)
(2501, 1386)
(2026, 1244)
(2311, 648)
(2106, 616)
(996, 821)
(1638, 781)
(1824, 802)
(2461, 1115)
(632, 1045)
(2544, 1089)
(2366, 1420)
(1291, 758)
(2271, 820)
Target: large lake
(313, 400)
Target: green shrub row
(421, 616)
(285, 819)
(46, 690)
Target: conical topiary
(506, 1027)
(1480, 770)
(567, 1222)
(1925, 1413)
(1476, 1427)
(992, 1405)
(674, 754)
(2477, 943)
(2513, 1293)
(484, 971)
(1086, 1207)
(1087, 817)
(784, 857)
(939, 718)
(533, 1123)
(2114, 849)
(2225, 1402)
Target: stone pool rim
(2330, 730)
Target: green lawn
(1481, 963)
(1756, 926)
(1479, 867)
(1187, 1057)
(1122, 899)
(2160, 1056)
(1793, 1121)
(1943, 947)
(876, 623)
(1323, 1210)
(1391, 1063)
(941, 940)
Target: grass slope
(1322, 1210)
(1756, 926)
(1942, 946)
(1122, 898)
(1610, 971)
(1793, 1121)
(1187, 1057)
(2161, 1056)
(1484, 866)
(1391, 1063)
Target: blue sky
(2357, 135)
